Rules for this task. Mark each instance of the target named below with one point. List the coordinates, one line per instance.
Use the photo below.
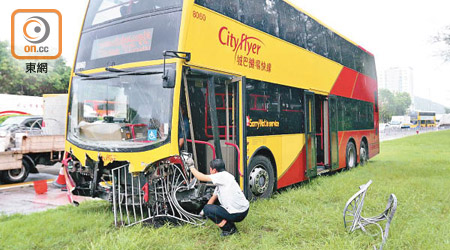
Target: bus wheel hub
(259, 180)
(363, 154)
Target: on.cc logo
(39, 32)
(36, 34)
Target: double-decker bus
(263, 85)
(423, 119)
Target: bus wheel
(363, 154)
(260, 178)
(16, 175)
(350, 155)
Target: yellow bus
(423, 119)
(259, 83)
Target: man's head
(216, 166)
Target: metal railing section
(150, 195)
(353, 219)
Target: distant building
(398, 79)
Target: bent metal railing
(353, 219)
(151, 195)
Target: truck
(444, 121)
(400, 121)
(26, 141)
(11, 105)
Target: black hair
(218, 165)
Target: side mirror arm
(169, 74)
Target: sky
(398, 32)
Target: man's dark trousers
(217, 214)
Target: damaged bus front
(124, 110)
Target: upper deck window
(103, 11)
(282, 20)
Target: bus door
(215, 116)
(310, 135)
(333, 128)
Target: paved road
(45, 173)
(392, 134)
(22, 198)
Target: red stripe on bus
(344, 83)
(295, 173)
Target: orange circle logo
(36, 29)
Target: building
(399, 79)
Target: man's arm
(200, 176)
(212, 199)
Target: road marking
(24, 184)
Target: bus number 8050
(199, 15)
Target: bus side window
(334, 50)
(211, 4)
(261, 14)
(231, 9)
(315, 40)
(347, 54)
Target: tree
(402, 102)
(386, 99)
(393, 104)
(14, 80)
(443, 39)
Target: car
(406, 125)
(27, 124)
(395, 124)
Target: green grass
(416, 169)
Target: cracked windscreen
(119, 111)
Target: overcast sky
(398, 32)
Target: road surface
(22, 198)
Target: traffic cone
(60, 182)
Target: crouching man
(233, 204)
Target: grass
(308, 216)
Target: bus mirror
(169, 78)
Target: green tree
(402, 102)
(14, 80)
(386, 99)
(10, 71)
(393, 104)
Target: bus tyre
(350, 155)
(363, 154)
(261, 178)
(16, 175)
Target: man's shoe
(233, 230)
